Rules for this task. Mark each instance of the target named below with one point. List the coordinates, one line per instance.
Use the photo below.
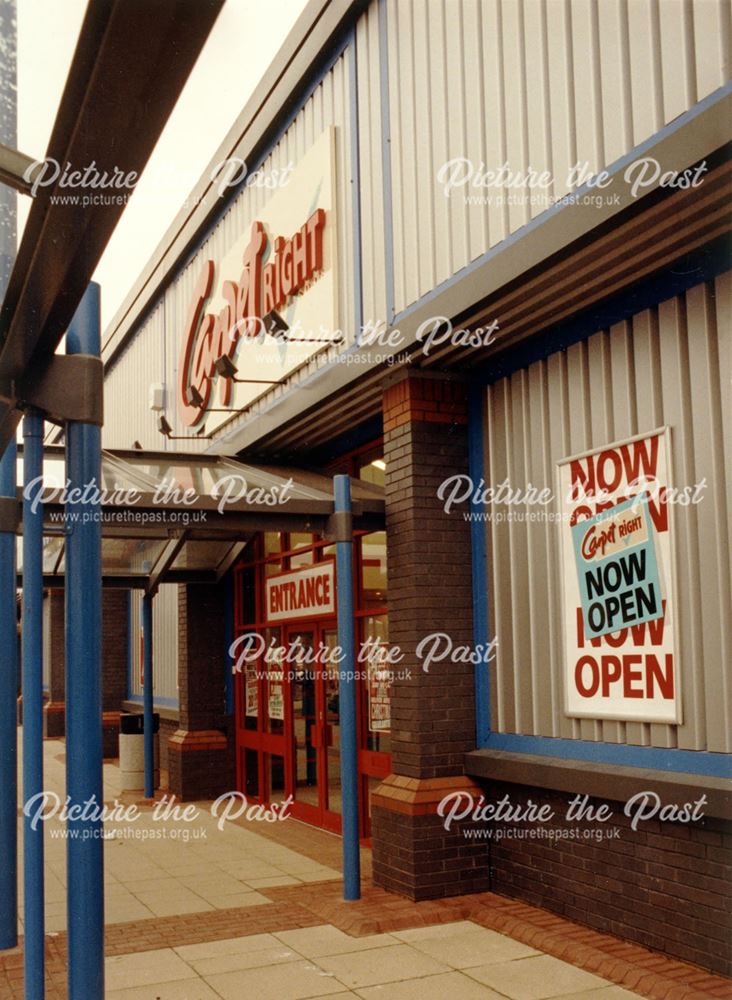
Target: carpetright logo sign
(262, 300)
(618, 582)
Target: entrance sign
(305, 593)
(618, 585)
(282, 262)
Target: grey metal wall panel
(540, 84)
(670, 365)
(370, 151)
(165, 642)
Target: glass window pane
(378, 686)
(275, 681)
(373, 569)
(251, 773)
(272, 542)
(248, 592)
(373, 472)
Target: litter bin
(132, 751)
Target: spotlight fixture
(225, 367)
(275, 325)
(167, 431)
(136, 446)
(198, 400)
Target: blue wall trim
(130, 647)
(479, 567)
(615, 168)
(386, 160)
(715, 765)
(355, 183)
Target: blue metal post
(9, 653)
(347, 696)
(8, 710)
(84, 852)
(33, 915)
(147, 695)
(479, 568)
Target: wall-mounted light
(276, 327)
(198, 400)
(226, 368)
(167, 431)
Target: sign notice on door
(617, 582)
(305, 593)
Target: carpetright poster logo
(617, 573)
(617, 582)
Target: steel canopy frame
(131, 62)
(310, 507)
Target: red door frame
(320, 815)
(375, 764)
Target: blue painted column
(9, 651)
(33, 915)
(147, 694)
(84, 850)
(479, 567)
(8, 712)
(347, 695)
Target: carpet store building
(534, 367)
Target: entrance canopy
(177, 518)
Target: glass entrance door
(315, 720)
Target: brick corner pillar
(115, 639)
(54, 718)
(201, 761)
(432, 711)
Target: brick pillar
(115, 638)
(54, 720)
(432, 713)
(201, 751)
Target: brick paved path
(630, 966)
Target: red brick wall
(667, 886)
(115, 637)
(200, 754)
(432, 713)
(425, 440)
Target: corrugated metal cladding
(533, 84)
(165, 642)
(671, 365)
(152, 356)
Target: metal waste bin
(132, 751)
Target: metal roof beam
(131, 62)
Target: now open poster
(617, 584)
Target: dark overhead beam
(165, 561)
(131, 62)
